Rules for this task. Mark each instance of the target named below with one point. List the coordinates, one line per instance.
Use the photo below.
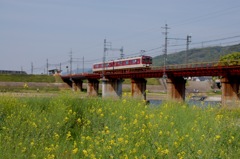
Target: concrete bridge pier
(176, 88)
(112, 88)
(92, 87)
(77, 85)
(230, 91)
(138, 88)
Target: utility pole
(104, 57)
(108, 46)
(165, 49)
(47, 66)
(77, 68)
(188, 42)
(31, 67)
(83, 65)
(60, 67)
(70, 62)
(121, 55)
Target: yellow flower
(181, 155)
(33, 156)
(88, 138)
(69, 135)
(25, 85)
(217, 137)
(165, 152)
(34, 124)
(99, 111)
(70, 111)
(112, 142)
(175, 144)
(74, 151)
(75, 144)
(85, 152)
(160, 133)
(66, 119)
(135, 121)
(107, 131)
(120, 139)
(51, 156)
(24, 149)
(56, 136)
(219, 117)
(199, 152)
(159, 149)
(79, 120)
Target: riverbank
(155, 92)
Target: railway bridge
(175, 75)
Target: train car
(11, 72)
(133, 63)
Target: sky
(34, 33)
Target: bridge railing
(198, 65)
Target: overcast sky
(32, 31)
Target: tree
(230, 59)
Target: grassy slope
(27, 78)
(26, 87)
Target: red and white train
(133, 63)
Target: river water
(198, 103)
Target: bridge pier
(92, 87)
(77, 85)
(138, 88)
(176, 88)
(112, 88)
(230, 91)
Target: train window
(147, 60)
(126, 62)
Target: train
(13, 72)
(125, 64)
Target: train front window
(147, 60)
(150, 60)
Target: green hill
(208, 54)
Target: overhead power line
(215, 40)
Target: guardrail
(199, 65)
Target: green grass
(29, 89)
(27, 78)
(150, 81)
(71, 127)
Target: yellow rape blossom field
(69, 127)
